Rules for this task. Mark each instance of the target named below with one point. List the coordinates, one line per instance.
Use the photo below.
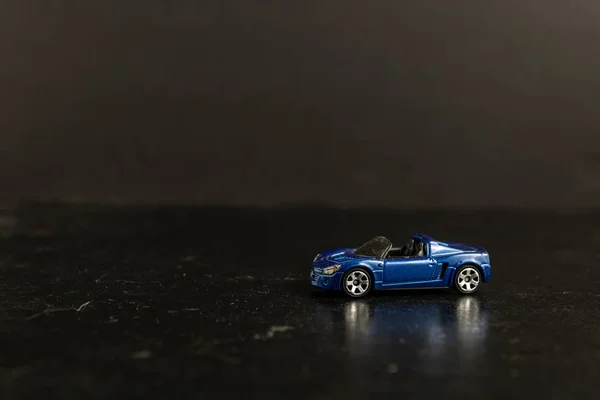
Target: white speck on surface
(50, 309)
(273, 330)
(278, 329)
(83, 306)
(392, 368)
(141, 355)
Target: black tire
(467, 279)
(357, 282)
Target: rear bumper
(487, 272)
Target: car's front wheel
(467, 279)
(357, 282)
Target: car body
(422, 262)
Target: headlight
(331, 269)
(316, 257)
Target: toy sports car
(421, 263)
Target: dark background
(426, 103)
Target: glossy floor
(101, 302)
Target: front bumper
(329, 282)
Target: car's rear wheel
(467, 279)
(357, 282)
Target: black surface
(197, 303)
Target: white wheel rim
(468, 279)
(357, 283)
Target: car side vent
(443, 270)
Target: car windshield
(375, 247)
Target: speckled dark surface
(125, 302)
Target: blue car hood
(343, 257)
(338, 256)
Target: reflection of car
(421, 263)
(439, 333)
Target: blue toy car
(421, 263)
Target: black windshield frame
(374, 248)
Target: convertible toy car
(421, 263)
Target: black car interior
(413, 248)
